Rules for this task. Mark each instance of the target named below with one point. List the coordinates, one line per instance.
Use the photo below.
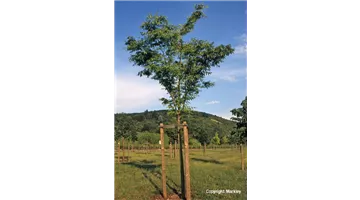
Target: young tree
(180, 66)
(224, 140)
(194, 143)
(215, 140)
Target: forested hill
(202, 126)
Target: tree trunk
(181, 160)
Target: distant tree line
(203, 127)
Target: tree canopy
(125, 127)
(215, 139)
(180, 66)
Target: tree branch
(179, 79)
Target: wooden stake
(204, 148)
(170, 150)
(246, 156)
(187, 164)
(123, 148)
(175, 150)
(163, 160)
(242, 157)
(128, 151)
(118, 154)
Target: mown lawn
(220, 169)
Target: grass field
(220, 169)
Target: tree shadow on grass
(152, 182)
(157, 188)
(158, 175)
(145, 164)
(166, 154)
(147, 161)
(154, 170)
(207, 160)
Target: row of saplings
(185, 185)
(185, 175)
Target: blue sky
(226, 23)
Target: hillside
(202, 126)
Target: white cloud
(241, 47)
(134, 93)
(212, 102)
(225, 115)
(231, 75)
(231, 78)
(241, 38)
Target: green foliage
(172, 133)
(202, 126)
(239, 134)
(125, 127)
(224, 140)
(149, 126)
(179, 66)
(194, 143)
(215, 139)
(151, 138)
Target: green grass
(216, 121)
(219, 169)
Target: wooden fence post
(171, 150)
(163, 175)
(187, 164)
(118, 154)
(246, 156)
(242, 157)
(123, 148)
(204, 148)
(128, 151)
(175, 150)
